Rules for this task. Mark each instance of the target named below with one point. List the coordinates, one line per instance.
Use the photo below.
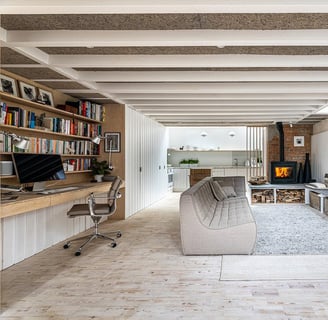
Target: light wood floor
(147, 277)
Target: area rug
(275, 267)
(290, 229)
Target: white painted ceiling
(182, 63)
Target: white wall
(217, 137)
(319, 155)
(26, 234)
(146, 143)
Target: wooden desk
(34, 222)
(30, 201)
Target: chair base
(91, 237)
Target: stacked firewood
(262, 196)
(290, 196)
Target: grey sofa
(215, 218)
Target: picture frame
(27, 91)
(46, 97)
(8, 85)
(298, 141)
(112, 142)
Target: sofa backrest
(203, 201)
(237, 182)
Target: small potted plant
(193, 162)
(184, 163)
(99, 168)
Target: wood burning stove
(283, 172)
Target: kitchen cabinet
(198, 174)
(217, 172)
(181, 179)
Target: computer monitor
(38, 168)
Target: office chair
(96, 211)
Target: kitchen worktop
(209, 167)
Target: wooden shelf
(62, 155)
(7, 127)
(7, 177)
(44, 107)
(80, 155)
(80, 171)
(37, 133)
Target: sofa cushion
(231, 212)
(229, 191)
(218, 191)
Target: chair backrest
(113, 193)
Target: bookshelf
(52, 130)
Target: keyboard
(58, 190)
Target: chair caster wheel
(118, 235)
(66, 246)
(113, 244)
(78, 253)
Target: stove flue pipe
(281, 141)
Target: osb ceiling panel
(105, 101)
(165, 21)
(62, 85)
(85, 95)
(35, 73)
(279, 50)
(310, 50)
(9, 56)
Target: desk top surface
(29, 201)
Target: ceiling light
(203, 134)
(232, 134)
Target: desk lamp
(18, 141)
(97, 140)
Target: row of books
(15, 116)
(19, 117)
(79, 164)
(71, 127)
(92, 110)
(43, 145)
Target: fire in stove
(283, 172)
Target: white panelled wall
(319, 156)
(26, 234)
(146, 143)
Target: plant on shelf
(189, 162)
(184, 163)
(99, 168)
(193, 162)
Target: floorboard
(147, 277)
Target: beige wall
(115, 122)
